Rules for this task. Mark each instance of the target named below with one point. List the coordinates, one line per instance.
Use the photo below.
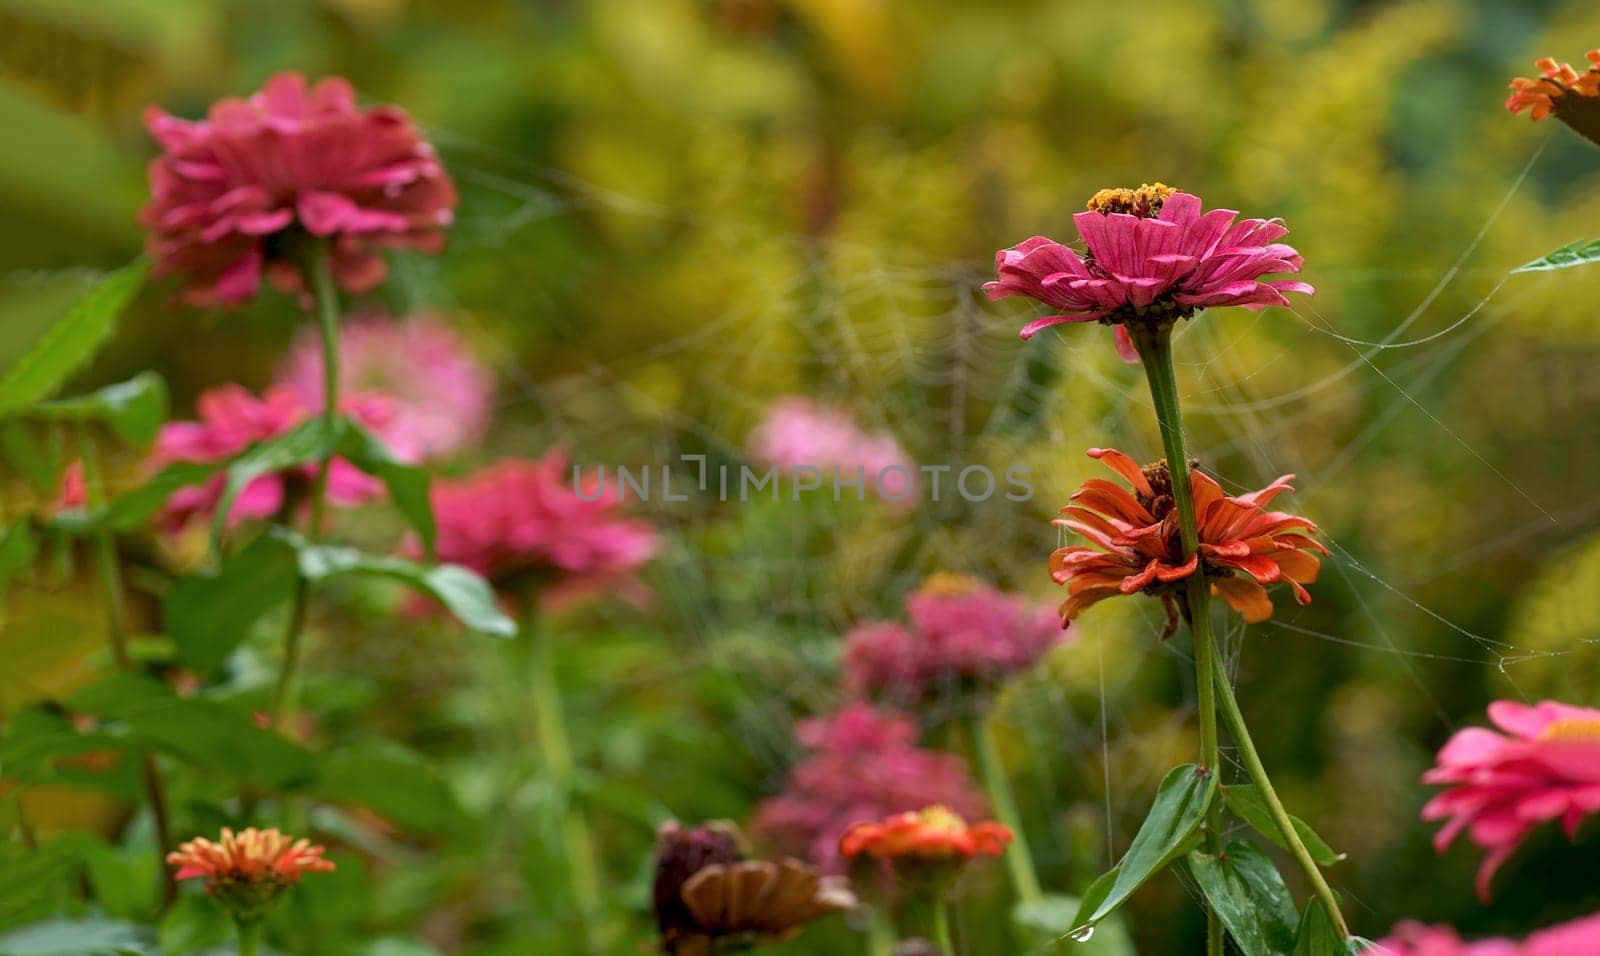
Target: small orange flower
(1135, 543)
(1572, 97)
(248, 870)
(934, 833)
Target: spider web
(906, 344)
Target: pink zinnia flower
(963, 633)
(863, 764)
(442, 397)
(1153, 257)
(1418, 939)
(74, 492)
(227, 191)
(231, 420)
(1499, 786)
(798, 433)
(1566, 939)
(522, 518)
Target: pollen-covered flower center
(1573, 730)
(1144, 202)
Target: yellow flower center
(1573, 730)
(1144, 202)
(949, 584)
(942, 819)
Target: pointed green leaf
(1249, 896)
(71, 341)
(1316, 935)
(462, 591)
(407, 484)
(310, 441)
(1179, 808)
(364, 773)
(1053, 916)
(90, 936)
(133, 509)
(40, 462)
(209, 615)
(1247, 804)
(1579, 253)
(134, 409)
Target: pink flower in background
(231, 420)
(1152, 257)
(797, 433)
(1417, 939)
(962, 632)
(74, 492)
(442, 397)
(521, 517)
(1499, 786)
(862, 764)
(1573, 938)
(226, 191)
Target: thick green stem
(941, 926)
(117, 634)
(1155, 349)
(1280, 816)
(556, 750)
(880, 934)
(1024, 880)
(249, 937)
(319, 267)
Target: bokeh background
(675, 212)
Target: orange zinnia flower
(1572, 97)
(248, 870)
(1135, 544)
(934, 833)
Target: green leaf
(1247, 804)
(1179, 808)
(1316, 935)
(462, 591)
(1579, 253)
(1249, 896)
(93, 936)
(133, 509)
(27, 877)
(313, 440)
(310, 441)
(366, 774)
(71, 341)
(407, 484)
(17, 551)
(205, 733)
(134, 409)
(209, 615)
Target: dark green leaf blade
(365, 774)
(1582, 252)
(1249, 896)
(209, 615)
(134, 409)
(72, 340)
(1054, 915)
(1179, 809)
(310, 441)
(407, 484)
(1316, 935)
(17, 551)
(1246, 802)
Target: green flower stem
(1257, 772)
(880, 934)
(249, 937)
(556, 749)
(1155, 349)
(1024, 880)
(319, 267)
(117, 632)
(941, 926)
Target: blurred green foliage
(675, 211)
